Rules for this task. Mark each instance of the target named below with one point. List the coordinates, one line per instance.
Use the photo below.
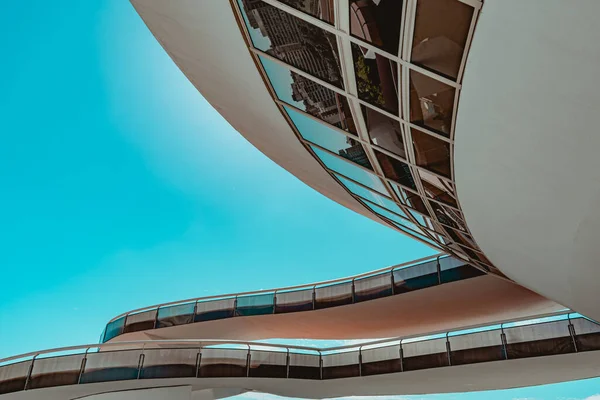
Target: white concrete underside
(476, 377)
(527, 163)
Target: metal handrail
(282, 289)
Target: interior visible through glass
(377, 22)
(431, 103)
(384, 131)
(322, 9)
(431, 153)
(396, 170)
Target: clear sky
(122, 187)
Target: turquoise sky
(122, 187)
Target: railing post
(401, 356)
(248, 362)
(29, 372)
(198, 361)
(439, 270)
(353, 292)
(314, 297)
(392, 281)
(274, 301)
(320, 365)
(141, 361)
(156, 317)
(195, 310)
(235, 306)
(448, 350)
(503, 339)
(360, 361)
(287, 363)
(572, 333)
(82, 368)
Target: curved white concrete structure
(526, 148)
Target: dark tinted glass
(431, 103)
(441, 30)
(396, 170)
(259, 304)
(376, 79)
(411, 200)
(322, 9)
(377, 22)
(384, 131)
(448, 216)
(431, 153)
(372, 196)
(114, 328)
(293, 41)
(438, 189)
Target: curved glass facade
(371, 89)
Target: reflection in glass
(431, 153)
(431, 103)
(392, 217)
(376, 79)
(441, 30)
(411, 200)
(329, 139)
(371, 196)
(292, 40)
(384, 131)
(448, 216)
(461, 238)
(438, 189)
(396, 170)
(309, 96)
(322, 9)
(350, 170)
(377, 22)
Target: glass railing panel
(373, 287)
(324, 10)
(304, 366)
(431, 103)
(214, 309)
(431, 153)
(333, 295)
(169, 363)
(350, 170)
(268, 364)
(341, 365)
(140, 321)
(14, 376)
(452, 269)
(416, 277)
(180, 314)
(538, 340)
(376, 78)
(111, 366)
(223, 363)
(377, 22)
(381, 360)
(476, 347)
(440, 35)
(587, 334)
(309, 96)
(396, 170)
(294, 301)
(384, 131)
(259, 304)
(56, 371)
(371, 196)
(114, 329)
(424, 354)
(293, 41)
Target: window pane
(258, 304)
(441, 30)
(431, 153)
(411, 200)
(350, 170)
(438, 189)
(377, 22)
(424, 238)
(330, 139)
(396, 170)
(175, 315)
(431, 103)
(384, 131)
(114, 328)
(293, 41)
(393, 217)
(448, 216)
(371, 196)
(376, 79)
(319, 9)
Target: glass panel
(293, 41)
(424, 354)
(268, 364)
(448, 216)
(431, 103)
(411, 200)
(55, 371)
(140, 321)
(223, 363)
(113, 329)
(319, 9)
(259, 304)
(299, 300)
(377, 22)
(350, 170)
(453, 269)
(214, 309)
(416, 277)
(371, 196)
(587, 334)
(426, 239)
(304, 366)
(438, 189)
(13, 376)
(169, 363)
(333, 295)
(476, 347)
(373, 287)
(376, 79)
(431, 153)
(111, 366)
(396, 170)
(175, 315)
(393, 217)
(538, 340)
(441, 30)
(340, 365)
(384, 131)
(381, 360)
